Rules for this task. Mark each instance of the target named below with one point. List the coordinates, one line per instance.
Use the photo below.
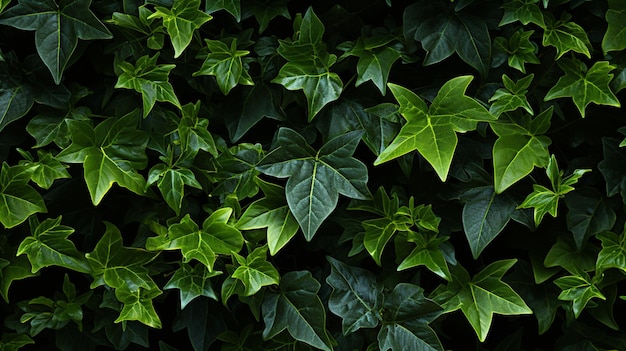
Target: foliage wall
(312, 175)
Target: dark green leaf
(588, 214)
(232, 6)
(47, 169)
(15, 102)
(518, 49)
(14, 342)
(613, 253)
(525, 11)
(374, 63)
(18, 268)
(236, 171)
(615, 37)
(266, 10)
(565, 254)
(18, 199)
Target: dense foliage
(312, 175)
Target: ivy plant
(312, 175)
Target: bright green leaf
(519, 49)
(565, 36)
(584, 86)
(512, 97)
(171, 183)
(525, 11)
(432, 130)
(578, 289)
(615, 37)
(613, 253)
(428, 253)
(316, 178)
(255, 271)
(181, 20)
(224, 62)
(57, 28)
(47, 169)
(192, 282)
(138, 306)
(18, 200)
(378, 232)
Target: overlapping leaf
(138, 306)
(519, 49)
(18, 200)
(255, 271)
(225, 63)
(565, 36)
(192, 282)
(432, 130)
(316, 178)
(57, 26)
(232, 6)
(525, 11)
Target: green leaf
(356, 296)
(316, 178)
(224, 62)
(565, 36)
(18, 200)
(148, 79)
(612, 167)
(57, 28)
(525, 11)
(519, 149)
(309, 65)
(584, 86)
(588, 214)
(432, 130)
(482, 296)
(615, 36)
(120, 267)
(192, 282)
(232, 6)
(194, 132)
(259, 101)
(18, 268)
(428, 253)
(138, 306)
(565, 254)
(14, 342)
(255, 272)
(485, 215)
(47, 169)
(236, 171)
(444, 32)
(512, 97)
(518, 49)
(15, 102)
(374, 63)
(216, 237)
(48, 245)
(406, 318)
(202, 324)
(297, 308)
(613, 253)
(266, 10)
(110, 153)
(181, 20)
(578, 289)
(271, 212)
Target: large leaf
(297, 308)
(485, 214)
(225, 63)
(215, 237)
(57, 26)
(271, 212)
(432, 130)
(615, 37)
(316, 178)
(192, 282)
(482, 296)
(181, 20)
(583, 85)
(48, 245)
(407, 315)
(113, 152)
(18, 200)
(444, 32)
(356, 296)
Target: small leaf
(525, 11)
(181, 21)
(565, 36)
(579, 290)
(47, 169)
(297, 308)
(584, 86)
(511, 98)
(192, 282)
(265, 11)
(232, 6)
(518, 49)
(374, 64)
(356, 296)
(255, 272)
(225, 63)
(138, 306)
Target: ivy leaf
(216, 237)
(520, 148)
(171, 183)
(374, 63)
(120, 267)
(47, 169)
(588, 214)
(181, 21)
(565, 36)
(378, 232)
(544, 200)
(482, 296)
(442, 33)
(17, 268)
(266, 10)
(14, 342)
(485, 215)
(615, 37)
(18, 200)
(309, 65)
(518, 49)
(407, 315)
(297, 308)
(148, 79)
(316, 178)
(271, 212)
(15, 102)
(356, 296)
(202, 325)
(225, 63)
(112, 152)
(613, 253)
(236, 171)
(584, 86)
(255, 272)
(578, 289)
(258, 102)
(57, 28)
(512, 97)
(432, 130)
(194, 132)
(525, 11)
(612, 167)
(138, 306)
(565, 254)
(48, 245)
(192, 282)
(428, 253)
(232, 6)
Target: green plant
(294, 175)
